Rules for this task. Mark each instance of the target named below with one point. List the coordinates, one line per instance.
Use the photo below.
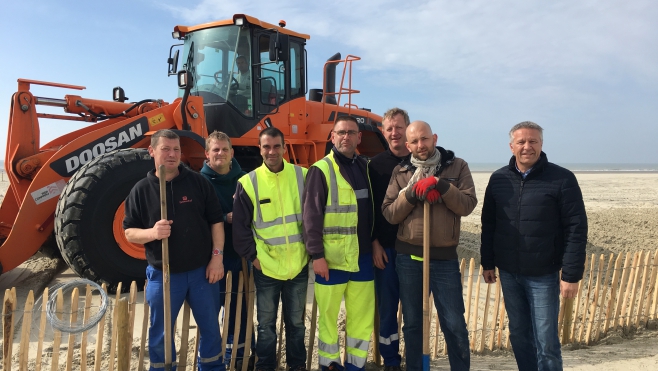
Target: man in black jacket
(387, 287)
(533, 225)
(195, 229)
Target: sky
(586, 71)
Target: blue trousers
(234, 265)
(292, 294)
(446, 285)
(387, 288)
(203, 299)
(533, 306)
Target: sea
(575, 167)
(581, 167)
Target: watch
(216, 252)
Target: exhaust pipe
(330, 80)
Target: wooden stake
(132, 304)
(85, 320)
(476, 309)
(42, 329)
(485, 316)
(572, 326)
(113, 338)
(613, 295)
(250, 323)
(643, 280)
(437, 328)
(426, 286)
(399, 321)
(238, 319)
(280, 339)
(73, 319)
(196, 348)
(560, 316)
(185, 335)
(583, 317)
(145, 324)
(595, 299)
(59, 306)
(650, 290)
(166, 278)
(375, 335)
(311, 334)
(227, 305)
(124, 342)
(99, 336)
(568, 313)
(494, 318)
(8, 308)
(627, 308)
(652, 312)
(602, 319)
(501, 328)
(469, 290)
(25, 332)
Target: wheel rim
(134, 250)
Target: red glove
(433, 196)
(423, 186)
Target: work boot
(250, 366)
(334, 367)
(298, 368)
(392, 368)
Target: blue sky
(587, 71)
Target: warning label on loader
(124, 137)
(52, 190)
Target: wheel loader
(238, 76)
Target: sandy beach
(623, 216)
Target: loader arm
(37, 176)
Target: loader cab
(244, 69)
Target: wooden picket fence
(617, 292)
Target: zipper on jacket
(518, 218)
(285, 229)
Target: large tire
(91, 202)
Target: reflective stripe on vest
(277, 228)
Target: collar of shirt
(523, 174)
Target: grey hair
(526, 125)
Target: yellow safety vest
(340, 238)
(277, 223)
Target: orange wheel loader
(238, 76)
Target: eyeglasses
(342, 133)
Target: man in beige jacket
(435, 175)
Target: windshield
(220, 62)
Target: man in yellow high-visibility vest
(267, 230)
(338, 222)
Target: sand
(623, 216)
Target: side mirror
(173, 60)
(118, 95)
(173, 63)
(279, 48)
(185, 79)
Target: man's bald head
(419, 125)
(420, 140)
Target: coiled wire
(78, 326)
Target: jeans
(203, 299)
(533, 305)
(387, 288)
(234, 265)
(293, 296)
(445, 283)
